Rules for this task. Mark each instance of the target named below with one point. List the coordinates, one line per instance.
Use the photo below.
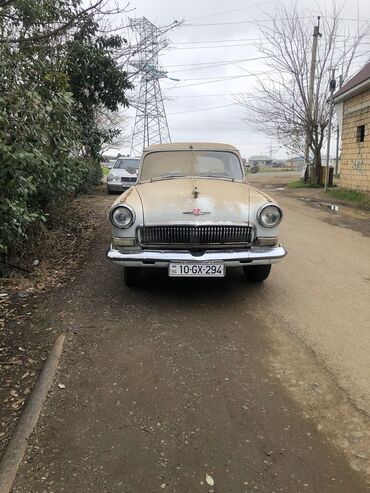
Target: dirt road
(183, 378)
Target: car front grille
(128, 179)
(187, 236)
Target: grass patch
(354, 196)
(302, 184)
(273, 170)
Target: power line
(217, 80)
(236, 40)
(212, 46)
(220, 62)
(203, 109)
(223, 94)
(217, 41)
(230, 11)
(222, 77)
(258, 21)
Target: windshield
(207, 164)
(127, 164)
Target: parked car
(123, 174)
(193, 213)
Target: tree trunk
(317, 175)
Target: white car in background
(123, 175)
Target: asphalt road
(172, 381)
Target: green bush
(38, 167)
(60, 71)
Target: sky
(213, 55)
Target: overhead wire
(202, 109)
(237, 60)
(258, 21)
(217, 80)
(230, 11)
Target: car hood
(168, 201)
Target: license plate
(182, 269)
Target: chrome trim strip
(262, 255)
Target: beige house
(352, 105)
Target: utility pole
(310, 109)
(337, 148)
(332, 85)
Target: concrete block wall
(355, 156)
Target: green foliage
(361, 199)
(302, 184)
(51, 89)
(95, 81)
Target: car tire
(257, 273)
(109, 191)
(132, 276)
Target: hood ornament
(196, 212)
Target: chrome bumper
(119, 187)
(231, 258)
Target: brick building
(352, 105)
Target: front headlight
(110, 177)
(269, 215)
(122, 216)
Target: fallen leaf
(209, 480)
(61, 385)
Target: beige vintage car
(193, 213)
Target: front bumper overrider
(231, 258)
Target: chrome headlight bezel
(122, 206)
(260, 217)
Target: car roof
(184, 146)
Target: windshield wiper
(221, 177)
(166, 177)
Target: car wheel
(132, 276)
(257, 273)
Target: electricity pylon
(151, 126)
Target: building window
(361, 133)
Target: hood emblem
(196, 212)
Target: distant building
(352, 105)
(260, 161)
(296, 162)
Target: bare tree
(280, 104)
(115, 124)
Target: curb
(15, 450)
